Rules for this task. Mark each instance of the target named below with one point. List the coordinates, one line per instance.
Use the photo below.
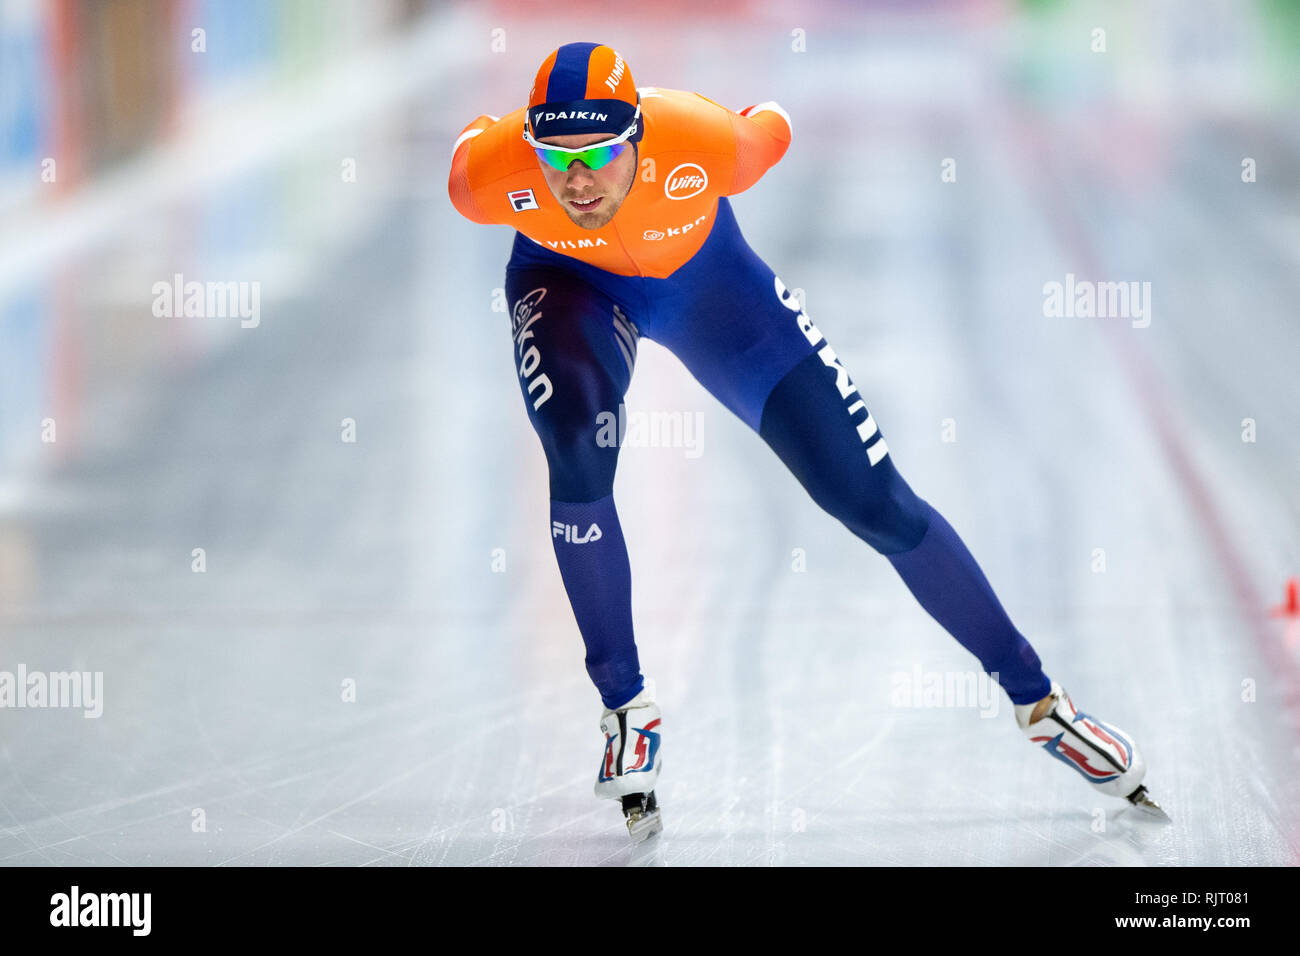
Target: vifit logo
(686, 181)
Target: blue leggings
(747, 340)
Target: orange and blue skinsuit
(673, 266)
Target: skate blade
(1143, 802)
(642, 826)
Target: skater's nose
(579, 176)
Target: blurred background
(305, 544)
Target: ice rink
(372, 661)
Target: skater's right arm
(462, 163)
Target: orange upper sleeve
(458, 184)
(762, 137)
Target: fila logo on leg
(572, 534)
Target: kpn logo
(686, 181)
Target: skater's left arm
(762, 137)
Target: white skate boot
(629, 767)
(1104, 755)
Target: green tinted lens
(591, 158)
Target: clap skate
(630, 765)
(1104, 755)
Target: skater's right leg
(574, 351)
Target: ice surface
(473, 737)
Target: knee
(884, 513)
(580, 463)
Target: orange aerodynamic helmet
(583, 88)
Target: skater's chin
(592, 220)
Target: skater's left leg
(747, 340)
(821, 429)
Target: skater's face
(578, 185)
